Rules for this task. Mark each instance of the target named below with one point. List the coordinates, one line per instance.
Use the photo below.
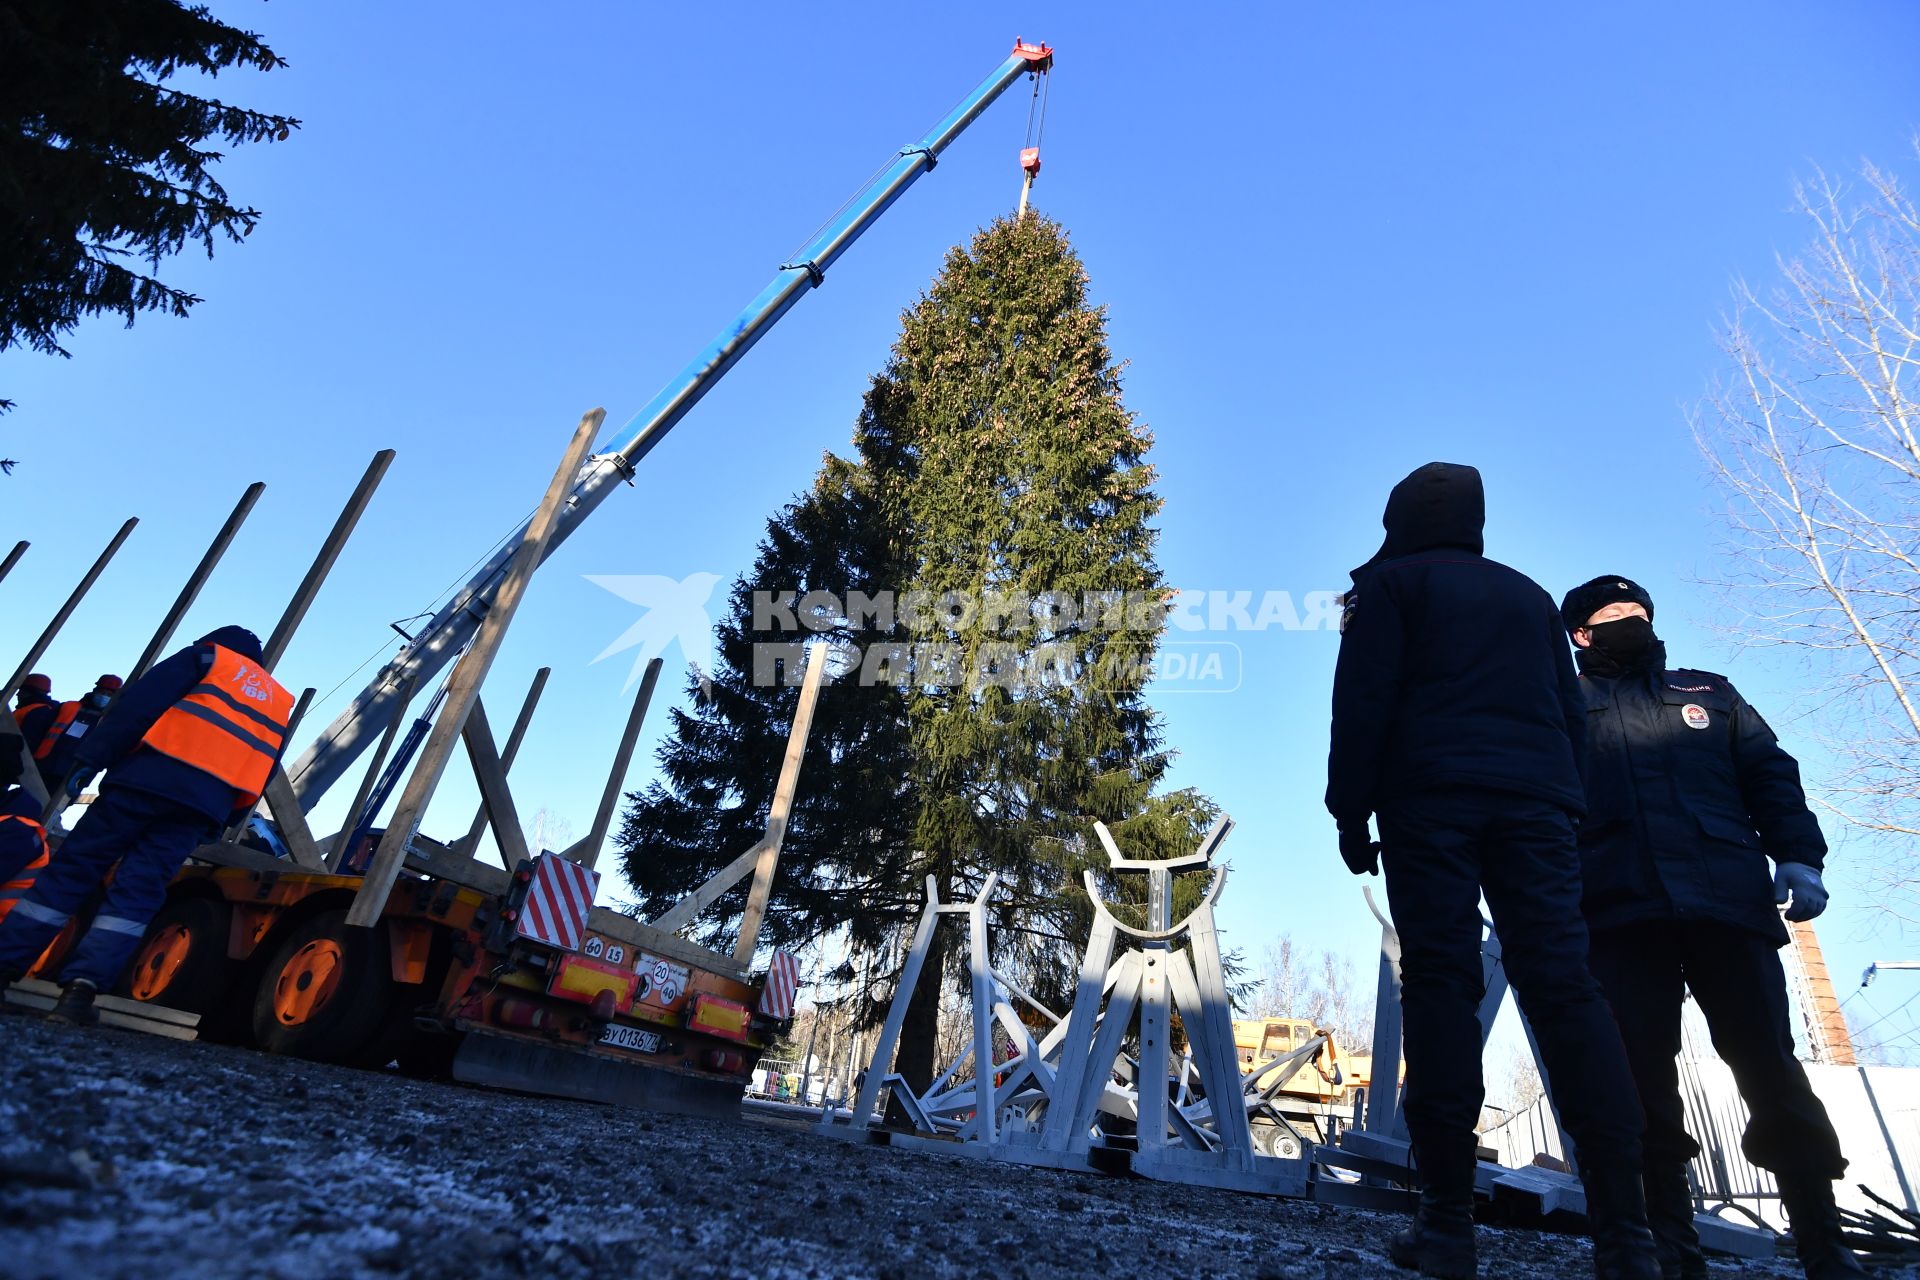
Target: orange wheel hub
(159, 960)
(308, 982)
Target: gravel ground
(129, 1155)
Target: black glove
(1359, 850)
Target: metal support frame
(1383, 1115)
(1053, 1100)
(464, 687)
(882, 1061)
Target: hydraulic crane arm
(334, 751)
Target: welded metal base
(502, 1062)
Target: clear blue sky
(1336, 242)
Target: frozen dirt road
(124, 1155)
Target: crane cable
(1036, 129)
(1037, 108)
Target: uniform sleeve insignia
(1348, 603)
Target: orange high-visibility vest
(62, 721)
(11, 890)
(231, 725)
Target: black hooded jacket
(114, 744)
(1453, 668)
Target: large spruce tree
(103, 164)
(1000, 482)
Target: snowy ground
(123, 1155)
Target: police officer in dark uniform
(1688, 796)
(1457, 721)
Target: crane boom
(322, 764)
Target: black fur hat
(1590, 597)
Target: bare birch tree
(1291, 983)
(1813, 434)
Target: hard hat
(110, 683)
(37, 683)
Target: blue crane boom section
(323, 763)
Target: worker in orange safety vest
(59, 745)
(23, 846)
(34, 708)
(188, 749)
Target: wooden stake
(464, 686)
(337, 851)
(66, 611)
(756, 912)
(587, 851)
(322, 565)
(471, 841)
(766, 850)
(13, 557)
(495, 799)
(197, 579)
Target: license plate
(631, 1038)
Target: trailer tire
(182, 961)
(323, 994)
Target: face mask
(1625, 641)
(97, 700)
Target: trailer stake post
(323, 563)
(39, 648)
(337, 849)
(762, 891)
(464, 686)
(198, 579)
(13, 557)
(587, 851)
(496, 801)
(469, 842)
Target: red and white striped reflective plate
(558, 900)
(783, 980)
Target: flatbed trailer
(446, 984)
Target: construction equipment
(436, 960)
(1315, 1097)
(457, 620)
(495, 977)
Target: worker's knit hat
(1592, 596)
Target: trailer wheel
(182, 961)
(324, 992)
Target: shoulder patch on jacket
(1348, 603)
